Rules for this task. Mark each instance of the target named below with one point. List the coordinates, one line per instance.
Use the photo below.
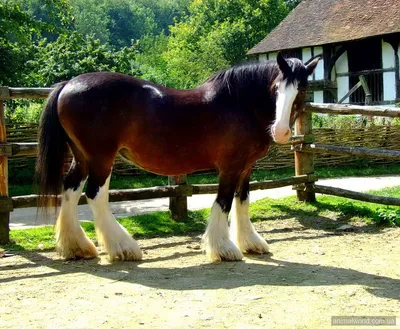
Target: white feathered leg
(118, 243)
(71, 240)
(242, 231)
(216, 240)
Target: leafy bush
(24, 112)
(336, 121)
(389, 215)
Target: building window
(293, 53)
(365, 57)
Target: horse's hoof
(125, 250)
(225, 251)
(86, 251)
(253, 243)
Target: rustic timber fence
(178, 190)
(355, 133)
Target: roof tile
(318, 22)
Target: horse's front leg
(216, 240)
(241, 229)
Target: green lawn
(328, 212)
(148, 180)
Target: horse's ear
(283, 65)
(310, 67)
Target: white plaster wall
(342, 66)
(262, 57)
(389, 86)
(387, 56)
(389, 78)
(318, 96)
(319, 70)
(306, 55)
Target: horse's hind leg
(118, 243)
(72, 241)
(242, 231)
(216, 241)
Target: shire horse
(227, 123)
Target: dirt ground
(313, 274)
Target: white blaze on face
(286, 95)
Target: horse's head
(290, 87)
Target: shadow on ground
(258, 270)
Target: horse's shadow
(264, 271)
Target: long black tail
(52, 151)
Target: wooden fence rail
(302, 145)
(350, 150)
(356, 195)
(156, 192)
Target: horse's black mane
(245, 76)
(252, 78)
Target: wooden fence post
(5, 201)
(178, 205)
(304, 163)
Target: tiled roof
(319, 22)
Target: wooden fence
(279, 156)
(178, 190)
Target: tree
(218, 33)
(17, 29)
(292, 3)
(90, 18)
(128, 21)
(74, 54)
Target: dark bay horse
(227, 123)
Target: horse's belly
(166, 164)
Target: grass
(327, 214)
(144, 226)
(148, 180)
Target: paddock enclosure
(303, 144)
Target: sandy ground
(28, 217)
(313, 274)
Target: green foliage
(54, 16)
(336, 121)
(178, 43)
(90, 18)
(17, 29)
(292, 3)
(74, 54)
(24, 111)
(119, 23)
(216, 34)
(22, 23)
(128, 21)
(389, 216)
(149, 60)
